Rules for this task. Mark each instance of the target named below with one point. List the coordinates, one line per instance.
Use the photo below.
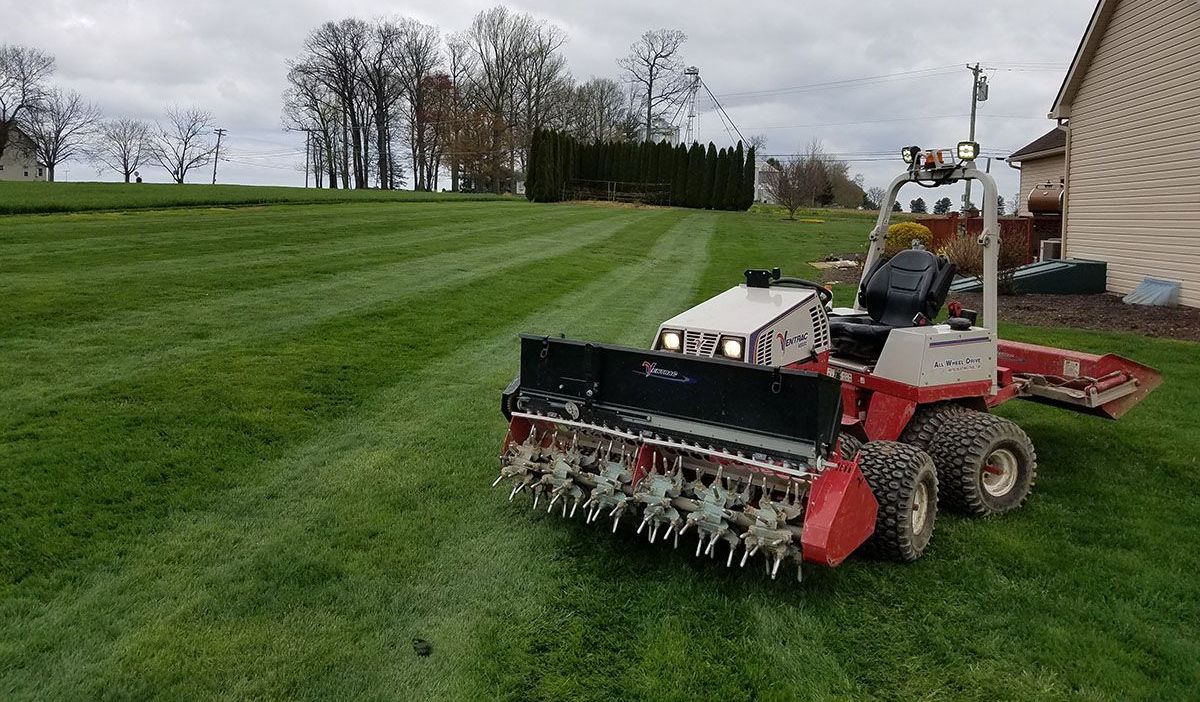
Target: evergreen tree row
(562, 168)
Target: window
(39, 173)
(26, 174)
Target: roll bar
(989, 238)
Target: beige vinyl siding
(1134, 176)
(1038, 171)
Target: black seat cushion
(910, 287)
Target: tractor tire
(850, 444)
(904, 482)
(926, 422)
(986, 464)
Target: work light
(968, 150)
(909, 153)
(670, 340)
(732, 348)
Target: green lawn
(246, 454)
(33, 198)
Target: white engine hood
(740, 310)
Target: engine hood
(741, 310)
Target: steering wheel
(823, 293)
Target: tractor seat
(904, 291)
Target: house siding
(1036, 171)
(1133, 195)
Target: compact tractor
(767, 422)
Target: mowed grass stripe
(55, 299)
(377, 478)
(37, 244)
(65, 359)
(133, 450)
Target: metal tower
(693, 120)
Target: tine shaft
(498, 480)
(699, 543)
(775, 569)
(745, 555)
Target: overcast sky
(133, 57)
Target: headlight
(909, 153)
(968, 150)
(670, 340)
(732, 348)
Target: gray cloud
(136, 56)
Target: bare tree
(309, 106)
(758, 142)
(60, 127)
(599, 110)
(461, 62)
(497, 42)
(123, 145)
(655, 68)
(784, 181)
(184, 142)
(333, 53)
(875, 197)
(416, 58)
(543, 84)
(384, 89)
(23, 71)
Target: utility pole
(217, 157)
(979, 93)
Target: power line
(849, 82)
(890, 119)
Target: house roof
(1051, 143)
(1083, 56)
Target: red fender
(840, 515)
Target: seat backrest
(910, 283)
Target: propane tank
(1047, 198)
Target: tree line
(56, 125)
(563, 167)
(386, 98)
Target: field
(34, 198)
(246, 454)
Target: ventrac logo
(652, 370)
(787, 341)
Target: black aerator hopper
(783, 414)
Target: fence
(618, 191)
(1035, 229)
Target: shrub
(967, 255)
(901, 235)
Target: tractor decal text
(650, 369)
(786, 340)
(959, 364)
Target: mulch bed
(1100, 312)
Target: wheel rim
(1000, 472)
(920, 507)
